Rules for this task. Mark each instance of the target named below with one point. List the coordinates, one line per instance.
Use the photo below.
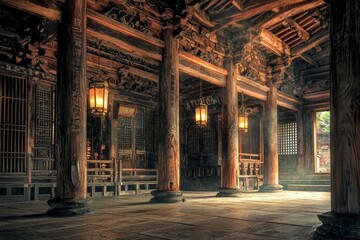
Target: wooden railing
(201, 171)
(251, 170)
(107, 177)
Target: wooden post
(271, 160)
(300, 143)
(230, 132)
(343, 222)
(71, 109)
(309, 141)
(169, 140)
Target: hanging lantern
(201, 111)
(243, 119)
(98, 97)
(201, 114)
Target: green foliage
(323, 121)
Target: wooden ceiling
(294, 31)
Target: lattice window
(44, 128)
(149, 131)
(139, 130)
(193, 139)
(13, 124)
(124, 133)
(287, 138)
(208, 141)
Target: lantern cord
(200, 91)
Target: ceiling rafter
(315, 40)
(308, 59)
(250, 12)
(238, 4)
(291, 11)
(33, 8)
(301, 32)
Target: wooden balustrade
(109, 178)
(201, 171)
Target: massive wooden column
(271, 158)
(169, 137)
(230, 132)
(71, 112)
(343, 222)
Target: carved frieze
(121, 57)
(133, 19)
(196, 40)
(37, 75)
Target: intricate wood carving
(121, 14)
(122, 57)
(196, 40)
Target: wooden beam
(32, 8)
(273, 43)
(111, 66)
(249, 13)
(293, 10)
(199, 61)
(238, 4)
(120, 27)
(259, 91)
(317, 95)
(123, 44)
(302, 33)
(315, 40)
(308, 59)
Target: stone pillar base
(167, 197)
(338, 226)
(229, 192)
(271, 188)
(68, 207)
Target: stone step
(303, 187)
(306, 182)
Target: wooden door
(131, 140)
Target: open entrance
(322, 139)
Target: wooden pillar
(300, 143)
(71, 110)
(230, 132)
(343, 222)
(169, 137)
(309, 141)
(271, 159)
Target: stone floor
(265, 216)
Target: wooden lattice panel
(139, 130)
(13, 124)
(44, 128)
(287, 138)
